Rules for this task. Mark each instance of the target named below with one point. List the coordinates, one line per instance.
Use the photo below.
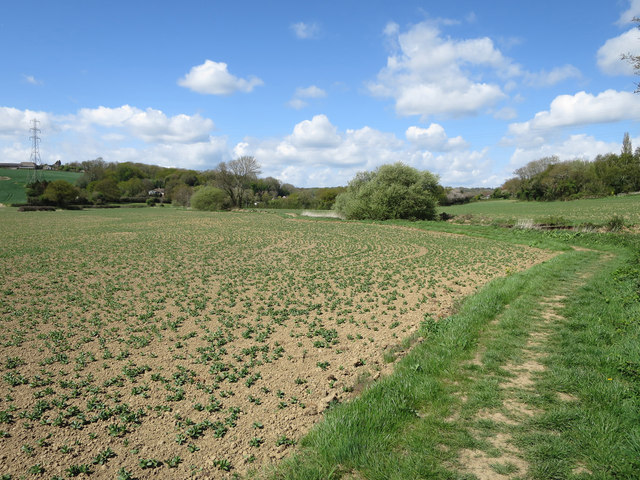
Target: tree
(181, 195)
(105, 190)
(209, 198)
(535, 167)
(236, 177)
(390, 191)
(627, 148)
(60, 192)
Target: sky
(318, 91)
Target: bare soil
(256, 325)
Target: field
(12, 183)
(597, 211)
(163, 343)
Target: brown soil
(182, 299)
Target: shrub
(209, 199)
(390, 192)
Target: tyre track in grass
(495, 453)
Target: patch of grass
(504, 468)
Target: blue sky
(317, 91)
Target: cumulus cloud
(115, 134)
(305, 31)
(315, 133)
(213, 78)
(434, 138)
(429, 74)
(317, 153)
(298, 101)
(580, 109)
(150, 125)
(14, 122)
(609, 54)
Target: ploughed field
(162, 343)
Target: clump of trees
(550, 179)
(390, 192)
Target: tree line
(233, 184)
(550, 179)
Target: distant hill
(12, 183)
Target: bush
(209, 199)
(390, 192)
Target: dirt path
(495, 454)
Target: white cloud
(434, 138)
(213, 78)
(115, 134)
(318, 154)
(300, 94)
(315, 133)
(150, 125)
(609, 54)
(305, 31)
(310, 92)
(431, 75)
(14, 122)
(628, 15)
(580, 109)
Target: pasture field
(597, 210)
(12, 183)
(164, 343)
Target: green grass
(414, 424)
(13, 191)
(597, 211)
(594, 356)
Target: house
(156, 192)
(27, 165)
